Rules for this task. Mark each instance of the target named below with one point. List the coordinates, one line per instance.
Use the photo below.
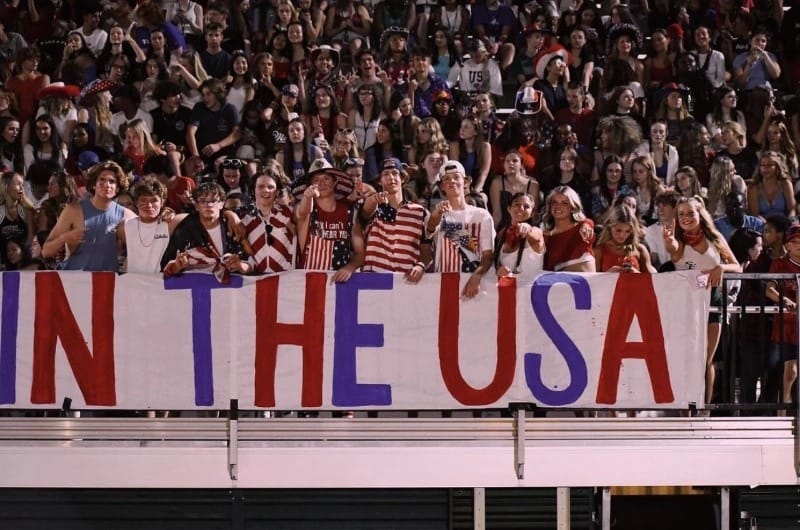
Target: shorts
(786, 351)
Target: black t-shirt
(171, 127)
(218, 64)
(213, 126)
(745, 162)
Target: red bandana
(693, 238)
(512, 236)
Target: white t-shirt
(654, 239)
(461, 237)
(96, 41)
(472, 77)
(118, 118)
(145, 243)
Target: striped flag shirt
(272, 240)
(393, 238)
(328, 246)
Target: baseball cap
(392, 163)
(793, 232)
(453, 166)
(87, 159)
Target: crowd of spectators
(495, 138)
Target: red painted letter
(634, 296)
(448, 343)
(54, 319)
(270, 333)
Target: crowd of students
(260, 136)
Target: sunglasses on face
(232, 163)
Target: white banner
(297, 341)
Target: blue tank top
(776, 207)
(470, 162)
(298, 170)
(661, 171)
(98, 252)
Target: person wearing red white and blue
(395, 228)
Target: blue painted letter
(9, 323)
(201, 285)
(575, 361)
(349, 334)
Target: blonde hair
(291, 8)
(621, 214)
(738, 131)
(146, 142)
(437, 142)
(574, 199)
(780, 165)
(710, 232)
(720, 182)
(52, 106)
(5, 197)
(103, 136)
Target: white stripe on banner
(296, 340)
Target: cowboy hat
(389, 32)
(97, 86)
(330, 50)
(545, 58)
(59, 90)
(342, 188)
(633, 32)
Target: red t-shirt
(788, 288)
(569, 247)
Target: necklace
(152, 236)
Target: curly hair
(149, 187)
(626, 134)
(780, 166)
(107, 166)
(436, 144)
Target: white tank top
(146, 243)
(530, 266)
(237, 97)
(693, 260)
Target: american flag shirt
(328, 246)
(393, 237)
(460, 239)
(272, 239)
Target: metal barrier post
(233, 440)
(797, 404)
(725, 508)
(479, 508)
(605, 509)
(563, 510)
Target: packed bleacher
(495, 139)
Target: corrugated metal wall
(325, 509)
